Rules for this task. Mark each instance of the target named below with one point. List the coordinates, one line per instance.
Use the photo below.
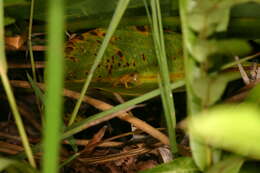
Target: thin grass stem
(120, 9)
(30, 41)
(164, 79)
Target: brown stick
(38, 64)
(104, 106)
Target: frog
(129, 63)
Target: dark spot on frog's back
(69, 49)
(93, 32)
(99, 78)
(127, 64)
(141, 28)
(143, 57)
(173, 57)
(110, 70)
(134, 63)
(98, 41)
(70, 43)
(73, 59)
(70, 76)
(120, 54)
(113, 39)
(97, 32)
(79, 37)
(119, 64)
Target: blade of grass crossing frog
(164, 83)
(120, 9)
(200, 152)
(149, 18)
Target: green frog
(129, 65)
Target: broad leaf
(182, 164)
(8, 21)
(216, 49)
(15, 166)
(230, 127)
(207, 17)
(210, 88)
(231, 164)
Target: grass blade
(164, 81)
(54, 86)
(30, 41)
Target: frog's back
(131, 50)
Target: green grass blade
(70, 159)
(54, 86)
(6, 165)
(9, 93)
(39, 94)
(241, 60)
(164, 81)
(120, 9)
(2, 45)
(30, 41)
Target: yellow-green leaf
(230, 127)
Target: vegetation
(76, 75)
